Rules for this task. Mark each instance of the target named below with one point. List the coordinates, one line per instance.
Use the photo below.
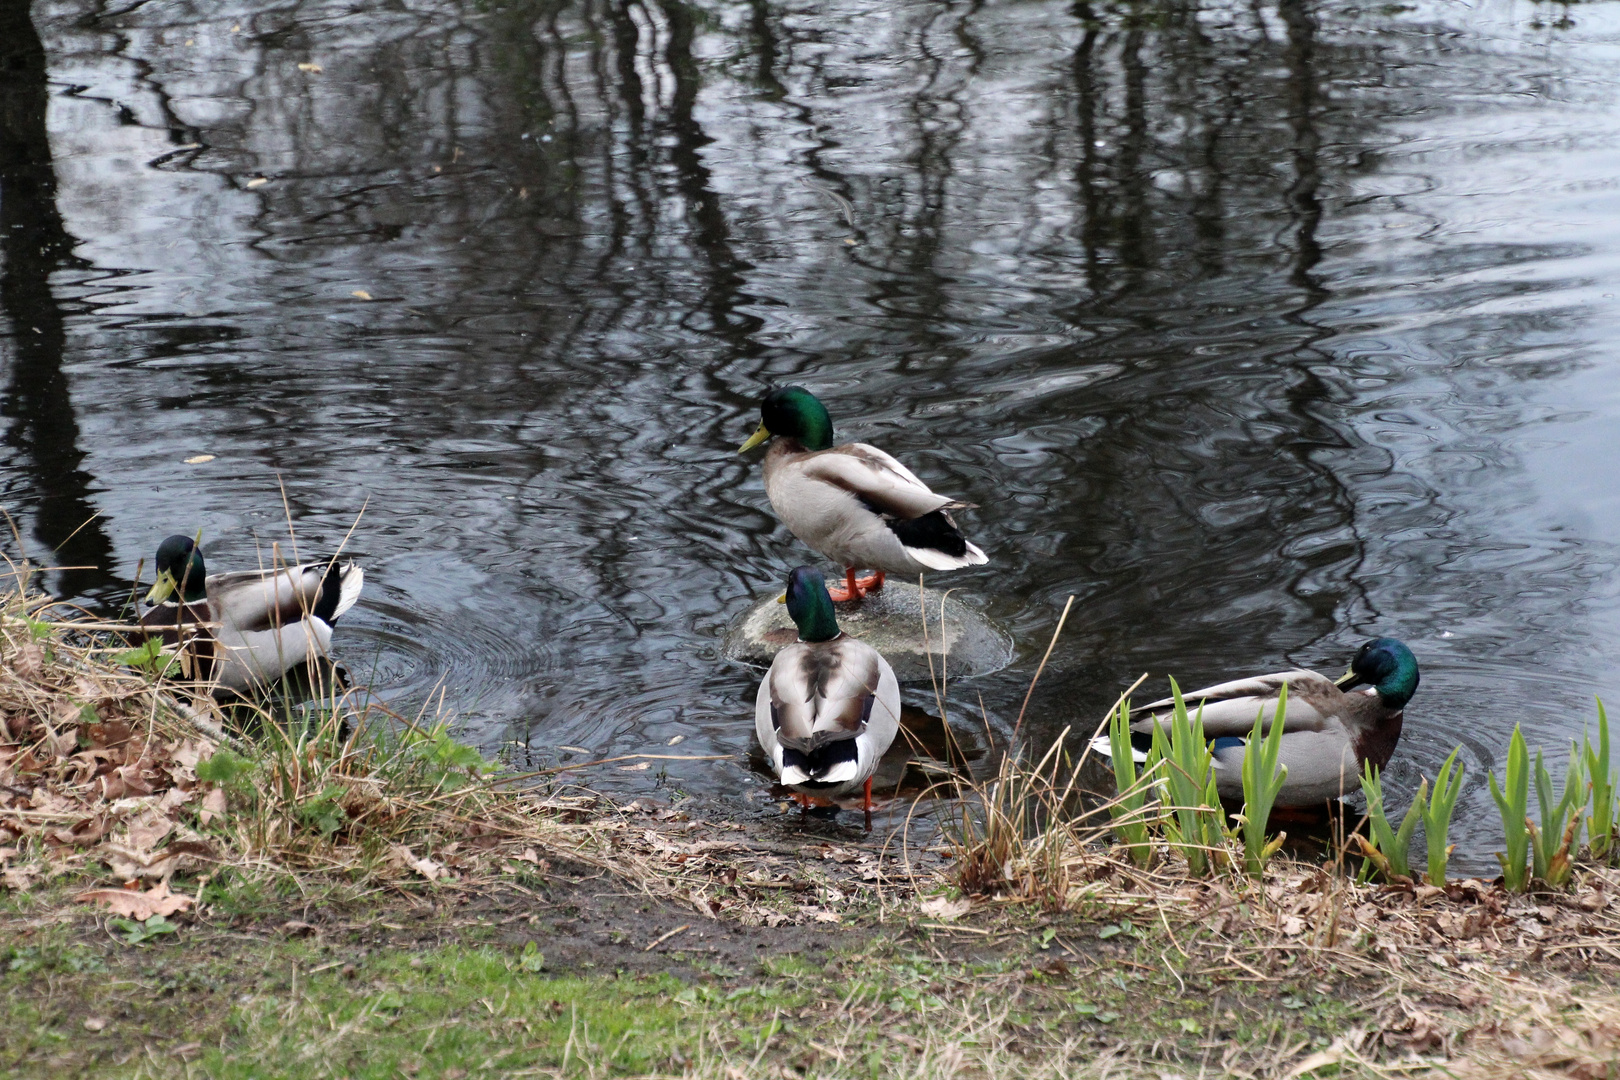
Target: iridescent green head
(179, 570)
(807, 601)
(1389, 667)
(794, 413)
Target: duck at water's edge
(853, 503)
(266, 622)
(830, 706)
(1329, 731)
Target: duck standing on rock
(853, 503)
(830, 706)
(1329, 731)
(248, 628)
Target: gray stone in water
(889, 620)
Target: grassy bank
(383, 992)
(342, 892)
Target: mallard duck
(830, 706)
(853, 503)
(258, 624)
(1329, 731)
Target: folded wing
(1230, 708)
(822, 695)
(877, 480)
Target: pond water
(1258, 329)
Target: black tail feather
(326, 602)
(818, 762)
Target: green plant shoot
(1554, 840)
(1600, 825)
(1129, 809)
(1262, 779)
(1193, 827)
(449, 764)
(1213, 818)
(149, 656)
(1437, 816)
(1512, 802)
(1389, 848)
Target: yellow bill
(755, 439)
(1349, 678)
(163, 588)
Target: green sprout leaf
(138, 933)
(1512, 802)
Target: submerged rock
(889, 620)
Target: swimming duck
(263, 622)
(853, 503)
(1329, 730)
(830, 706)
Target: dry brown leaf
(401, 856)
(20, 878)
(148, 829)
(29, 661)
(361, 294)
(137, 905)
(199, 459)
(313, 69)
(213, 806)
(944, 909)
(1319, 1060)
(188, 753)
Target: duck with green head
(853, 503)
(830, 705)
(249, 628)
(1329, 731)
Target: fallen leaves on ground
(134, 904)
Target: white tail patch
(938, 560)
(840, 773)
(792, 775)
(1103, 747)
(353, 579)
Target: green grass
(297, 1009)
(226, 1006)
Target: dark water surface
(1260, 329)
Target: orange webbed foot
(855, 588)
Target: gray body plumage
(1327, 732)
(818, 693)
(841, 501)
(266, 623)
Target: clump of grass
(1194, 825)
(1600, 829)
(1555, 838)
(1262, 779)
(1016, 833)
(1513, 803)
(1436, 812)
(1130, 810)
(1388, 850)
